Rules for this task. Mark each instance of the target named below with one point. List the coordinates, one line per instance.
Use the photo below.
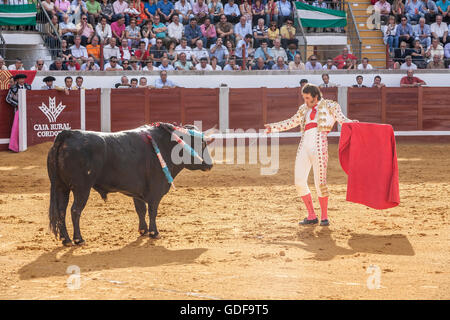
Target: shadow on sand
(135, 254)
(325, 248)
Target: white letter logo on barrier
(52, 112)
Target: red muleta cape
(368, 155)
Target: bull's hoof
(67, 243)
(143, 232)
(79, 242)
(154, 235)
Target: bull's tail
(56, 184)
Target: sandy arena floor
(233, 234)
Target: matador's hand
(267, 129)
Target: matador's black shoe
(306, 221)
(324, 223)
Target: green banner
(315, 17)
(18, 15)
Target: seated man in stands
(85, 30)
(79, 51)
(297, 64)
(313, 64)
(111, 50)
(405, 32)
(124, 83)
(203, 65)
(440, 30)
(341, 60)
(219, 51)
(429, 10)
(410, 81)
(260, 33)
(231, 11)
(259, 65)
(265, 53)
(134, 83)
(280, 65)
(113, 64)
(384, 8)
(285, 11)
(422, 32)
(93, 49)
(277, 50)
(447, 54)
(90, 65)
(231, 66)
(242, 28)
(365, 65)
(182, 63)
(162, 82)
(329, 65)
(401, 52)
(408, 64)
(58, 65)
(437, 63)
(39, 66)
(435, 48)
(73, 65)
(377, 82)
(288, 34)
(413, 10)
(68, 29)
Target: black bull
(123, 162)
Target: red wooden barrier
(93, 114)
(6, 119)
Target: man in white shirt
(439, 29)
(365, 65)
(242, 29)
(113, 64)
(203, 65)
(408, 64)
(39, 66)
(175, 28)
(111, 50)
(79, 51)
(184, 9)
(183, 47)
(278, 51)
(199, 52)
(231, 11)
(18, 65)
(326, 82)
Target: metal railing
(352, 31)
(2, 45)
(301, 32)
(47, 30)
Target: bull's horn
(210, 131)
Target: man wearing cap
(49, 85)
(12, 98)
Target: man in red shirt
(141, 54)
(341, 59)
(411, 81)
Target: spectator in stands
(94, 11)
(384, 8)
(230, 47)
(78, 51)
(58, 65)
(138, 12)
(124, 83)
(162, 82)
(439, 30)
(209, 32)
(242, 28)
(422, 32)
(303, 82)
(259, 65)
(2, 64)
(141, 54)
(182, 63)
(133, 33)
(273, 33)
(171, 52)
(429, 10)
(175, 29)
(288, 34)
(410, 81)
(183, 47)
(377, 82)
(260, 32)
(49, 84)
(49, 7)
(284, 11)
(219, 51)
(215, 10)
(326, 81)
(359, 82)
(125, 50)
(447, 53)
(203, 65)
(62, 7)
(39, 66)
(319, 4)
(329, 65)
(313, 64)
(436, 63)
(271, 11)
(85, 30)
(265, 53)
(413, 10)
(365, 65)
(52, 34)
(135, 66)
(435, 48)
(444, 9)
(224, 29)
(73, 65)
(142, 82)
(258, 12)
(90, 65)
(232, 12)
(200, 10)
(291, 52)
(113, 64)
(111, 50)
(342, 59)
(149, 66)
(165, 10)
(151, 9)
(280, 65)
(401, 52)
(68, 29)
(120, 8)
(398, 10)
(18, 65)
(215, 64)
(106, 10)
(118, 28)
(126, 65)
(157, 52)
(245, 8)
(192, 33)
(134, 83)
(408, 64)
(405, 32)
(232, 65)
(199, 52)
(277, 50)
(147, 34)
(103, 30)
(390, 34)
(184, 10)
(418, 55)
(246, 42)
(350, 64)
(78, 7)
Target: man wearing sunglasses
(39, 66)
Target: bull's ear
(167, 126)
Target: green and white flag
(18, 15)
(314, 17)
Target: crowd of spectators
(417, 32)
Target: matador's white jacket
(313, 147)
(329, 112)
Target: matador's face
(310, 100)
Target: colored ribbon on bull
(161, 161)
(191, 132)
(187, 147)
